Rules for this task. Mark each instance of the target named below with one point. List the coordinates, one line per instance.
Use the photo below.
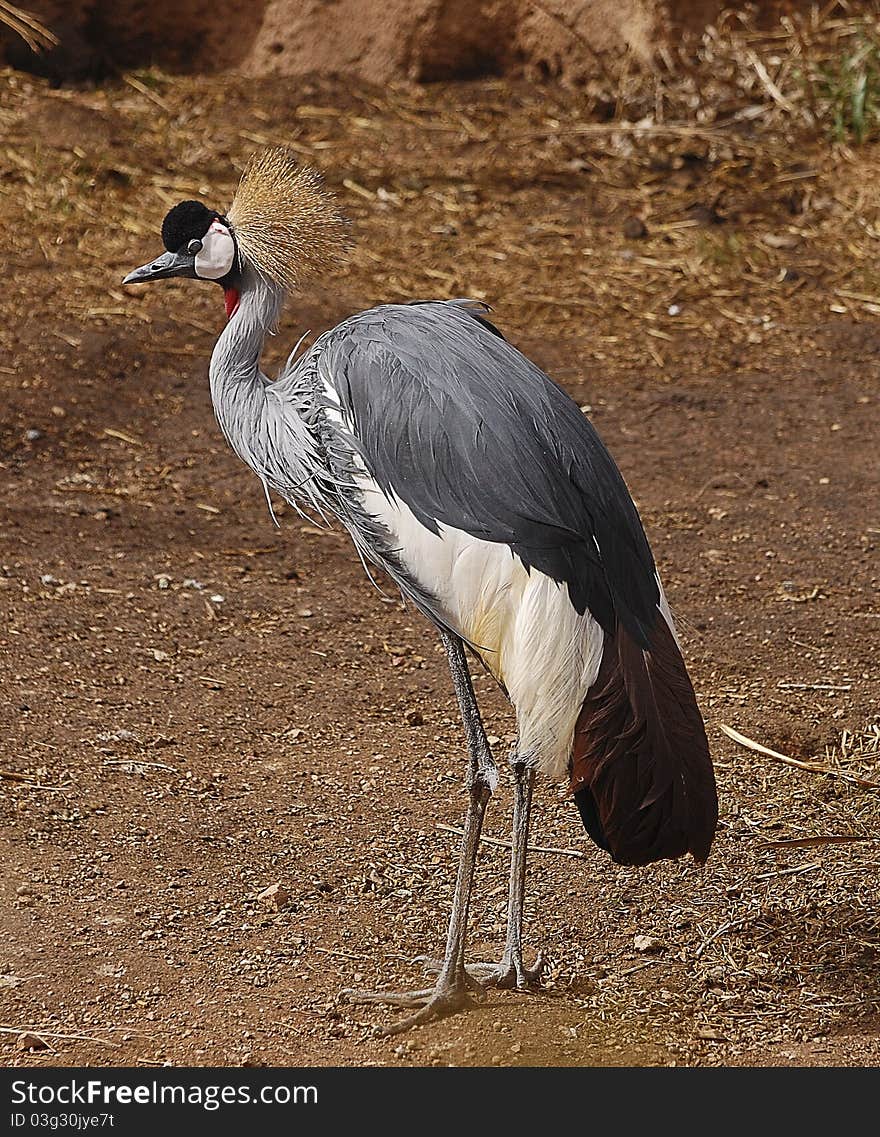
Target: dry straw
(36, 35)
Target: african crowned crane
(481, 489)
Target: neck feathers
(237, 384)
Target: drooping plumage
(640, 770)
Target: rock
(780, 240)
(28, 1041)
(649, 945)
(276, 896)
(634, 229)
(414, 718)
(704, 214)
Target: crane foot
(448, 997)
(509, 974)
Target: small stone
(649, 945)
(781, 240)
(704, 214)
(414, 718)
(33, 435)
(634, 229)
(28, 1041)
(275, 895)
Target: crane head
(200, 245)
(282, 225)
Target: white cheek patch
(217, 255)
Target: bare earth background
(198, 706)
(377, 40)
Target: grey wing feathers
(467, 432)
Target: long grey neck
(237, 384)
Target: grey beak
(169, 264)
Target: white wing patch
(523, 624)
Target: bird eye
(195, 246)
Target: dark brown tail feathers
(640, 769)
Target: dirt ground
(198, 706)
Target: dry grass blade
(503, 844)
(810, 842)
(813, 767)
(36, 35)
(38, 1032)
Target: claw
(441, 1004)
(433, 1002)
(534, 973)
(389, 998)
(446, 998)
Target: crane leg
(511, 971)
(454, 989)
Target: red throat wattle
(230, 295)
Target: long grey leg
(454, 987)
(512, 969)
(482, 781)
(511, 972)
